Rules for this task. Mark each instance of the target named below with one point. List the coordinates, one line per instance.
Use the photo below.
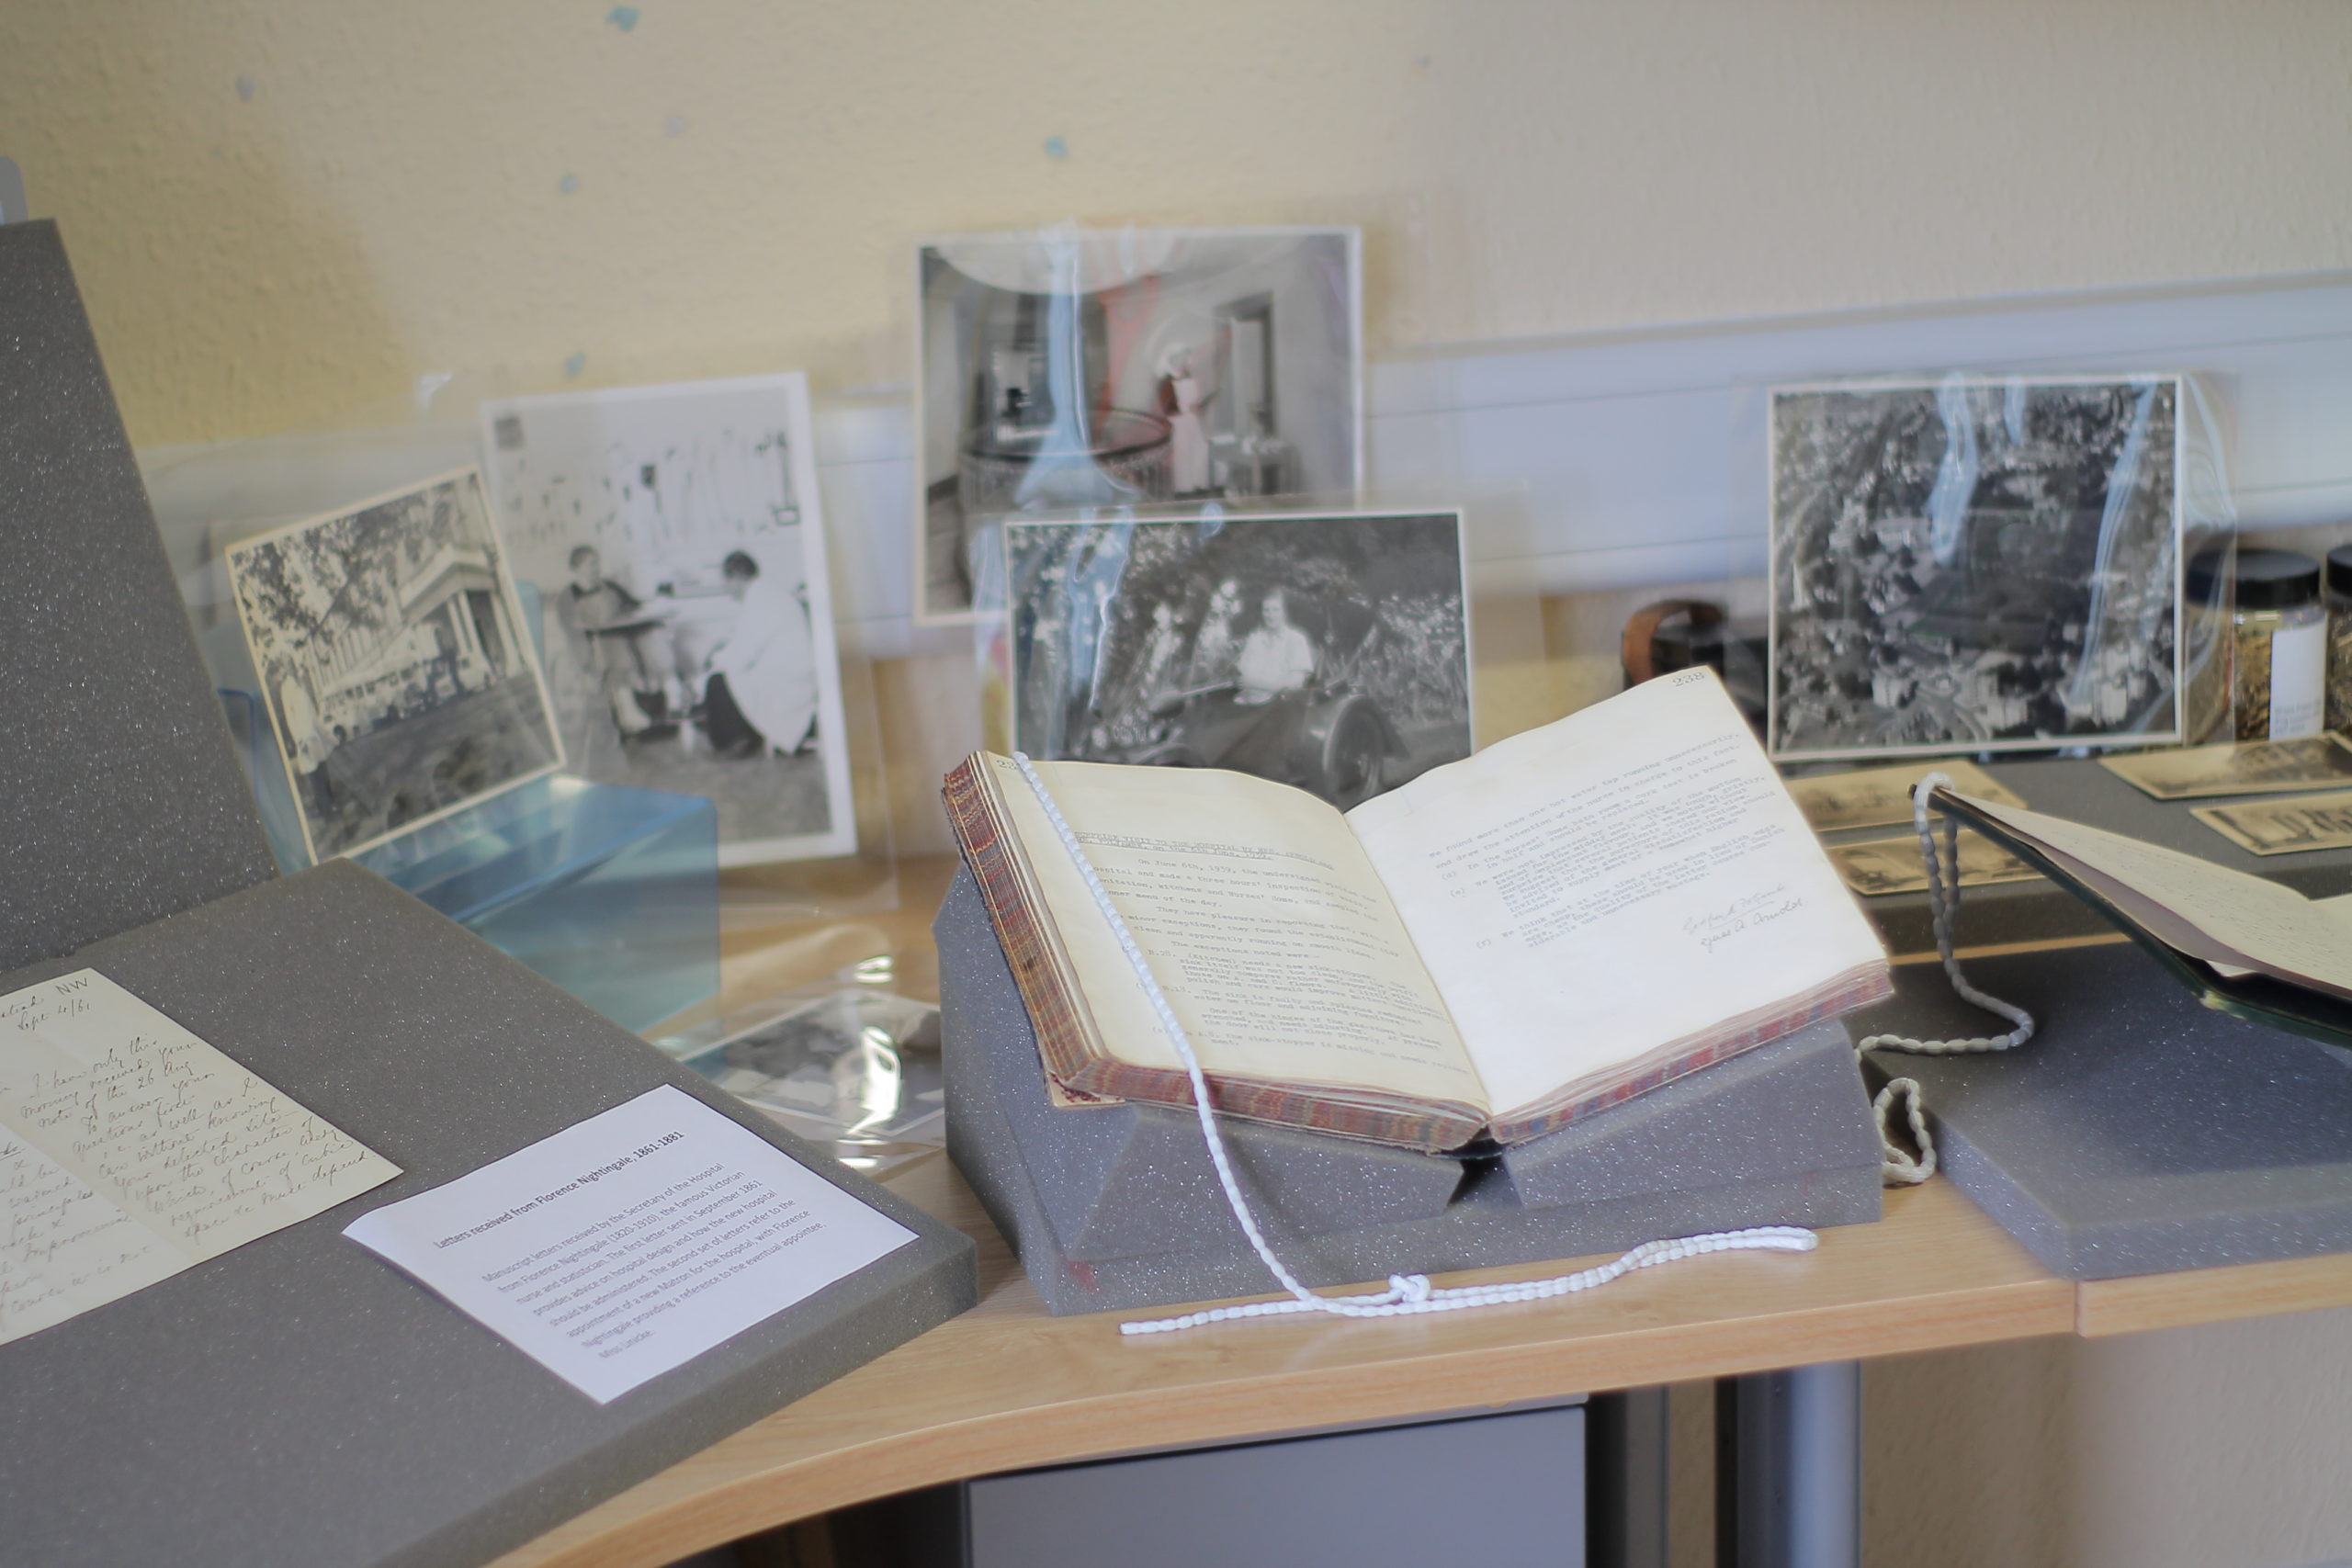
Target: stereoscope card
(2271, 827)
(2250, 767)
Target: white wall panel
(1634, 460)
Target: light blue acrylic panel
(610, 892)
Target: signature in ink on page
(1743, 914)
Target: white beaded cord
(1406, 1293)
(1898, 1166)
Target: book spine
(1408, 1124)
(1020, 926)
(1427, 1130)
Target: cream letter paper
(130, 1150)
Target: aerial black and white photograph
(1120, 367)
(1331, 652)
(1974, 564)
(673, 542)
(395, 661)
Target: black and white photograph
(395, 660)
(1982, 564)
(1127, 368)
(673, 539)
(855, 1071)
(1331, 652)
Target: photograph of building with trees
(399, 677)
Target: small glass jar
(2279, 647)
(2339, 638)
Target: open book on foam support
(2246, 945)
(1504, 945)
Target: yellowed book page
(1873, 798)
(2183, 899)
(1263, 922)
(129, 1149)
(1630, 875)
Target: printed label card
(630, 1242)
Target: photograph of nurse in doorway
(1130, 366)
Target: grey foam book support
(2137, 1132)
(1115, 1208)
(298, 1403)
(115, 764)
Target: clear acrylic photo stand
(610, 892)
(607, 891)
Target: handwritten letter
(129, 1150)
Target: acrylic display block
(610, 892)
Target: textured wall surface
(282, 208)
(283, 212)
(2220, 1447)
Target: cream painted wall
(280, 209)
(2220, 1447)
(283, 212)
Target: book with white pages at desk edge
(2225, 977)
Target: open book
(2246, 944)
(1505, 944)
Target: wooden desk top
(1005, 1386)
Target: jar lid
(2205, 568)
(2339, 569)
(2276, 579)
